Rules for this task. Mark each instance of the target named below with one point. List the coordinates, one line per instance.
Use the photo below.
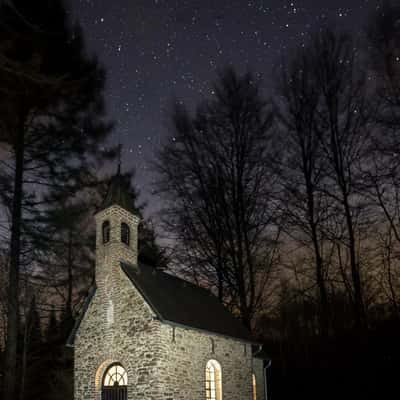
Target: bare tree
(344, 133)
(383, 175)
(214, 173)
(305, 206)
(390, 284)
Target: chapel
(146, 334)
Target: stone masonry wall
(110, 254)
(162, 362)
(258, 370)
(185, 356)
(118, 326)
(131, 340)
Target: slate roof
(117, 194)
(182, 303)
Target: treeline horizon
(285, 204)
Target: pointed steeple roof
(118, 194)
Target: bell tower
(116, 230)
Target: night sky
(157, 50)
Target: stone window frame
(213, 381)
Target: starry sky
(155, 51)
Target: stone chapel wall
(161, 364)
(131, 339)
(186, 353)
(258, 370)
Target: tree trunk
(358, 302)
(324, 316)
(10, 359)
(24, 360)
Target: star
(155, 51)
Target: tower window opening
(125, 233)
(106, 231)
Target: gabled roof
(182, 303)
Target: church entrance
(115, 383)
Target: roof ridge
(185, 281)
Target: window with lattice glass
(115, 376)
(213, 381)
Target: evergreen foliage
(52, 125)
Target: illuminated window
(106, 231)
(115, 376)
(125, 233)
(253, 378)
(213, 381)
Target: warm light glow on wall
(213, 381)
(254, 387)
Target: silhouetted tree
(66, 240)
(215, 175)
(302, 170)
(344, 129)
(51, 118)
(383, 176)
(31, 352)
(53, 329)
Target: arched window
(125, 233)
(115, 383)
(254, 384)
(106, 231)
(213, 381)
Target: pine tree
(51, 118)
(31, 351)
(67, 237)
(52, 330)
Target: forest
(284, 202)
